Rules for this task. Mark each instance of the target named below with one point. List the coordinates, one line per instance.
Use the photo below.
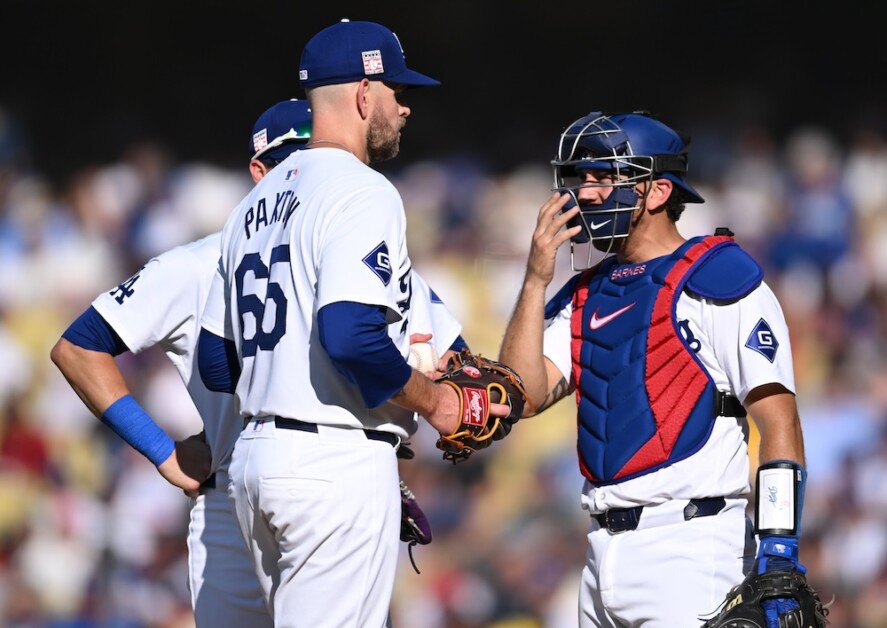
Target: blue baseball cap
(350, 51)
(280, 130)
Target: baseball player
(161, 305)
(666, 343)
(319, 294)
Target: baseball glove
(480, 382)
(743, 607)
(414, 525)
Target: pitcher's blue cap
(280, 130)
(350, 51)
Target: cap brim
(283, 151)
(412, 78)
(688, 194)
(691, 195)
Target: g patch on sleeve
(379, 262)
(762, 340)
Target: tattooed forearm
(560, 390)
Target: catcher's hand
(744, 606)
(479, 382)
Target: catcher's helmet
(631, 147)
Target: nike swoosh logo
(597, 323)
(595, 226)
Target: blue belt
(302, 426)
(624, 519)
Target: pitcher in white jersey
(161, 305)
(320, 294)
(666, 343)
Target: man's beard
(383, 140)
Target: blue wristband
(778, 553)
(131, 423)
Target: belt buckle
(610, 523)
(619, 520)
(613, 525)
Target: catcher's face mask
(616, 152)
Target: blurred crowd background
(91, 535)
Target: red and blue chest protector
(645, 401)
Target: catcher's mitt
(743, 607)
(480, 382)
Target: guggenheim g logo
(378, 261)
(762, 340)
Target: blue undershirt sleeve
(458, 344)
(91, 331)
(355, 337)
(217, 362)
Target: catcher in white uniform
(162, 305)
(665, 342)
(320, 295)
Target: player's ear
(660, 190)
(363, 98)
(257, 170)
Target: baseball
(423, 357)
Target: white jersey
(720, 335)
(429, 315)
(320, 228)
(162, 305)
